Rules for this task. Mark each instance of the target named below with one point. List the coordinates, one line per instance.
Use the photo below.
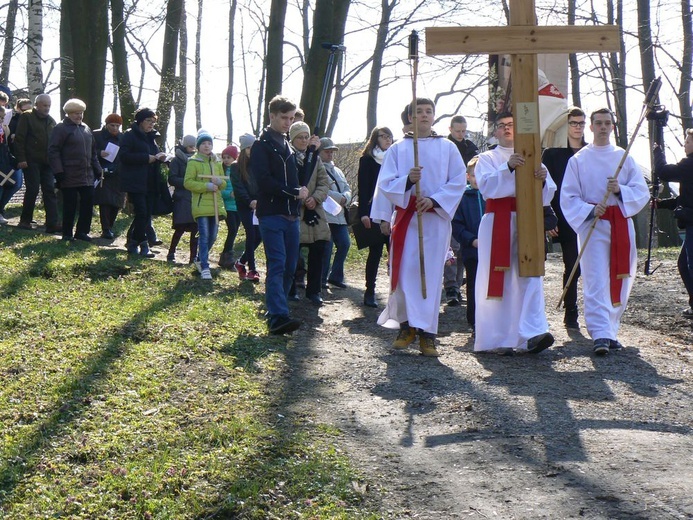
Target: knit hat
(188, 140)
(298, 128)
(203, 136)
(231, 150)
(144, 113)
(246, 141)
(74, 105)
(327, 144)
(114, 118)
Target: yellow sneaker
(405, 338)
(427, 346)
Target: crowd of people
(439, 207)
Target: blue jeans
(281, 238)
(340, 238)
(9, 189)
(208, 229)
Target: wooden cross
(7, 177)
(523, 40)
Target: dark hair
(243, 161)
(458, 119)
(4, 96)
(281, 104)
(373, 139)
(405, 116)
(503, 115)
(421, 101)
(144, 113)
(21, 101)
(575, 112)
(603, 111)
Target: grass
(132, 389)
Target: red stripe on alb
(500, 243)
(397, 237)
(619, 265)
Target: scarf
(378, 154)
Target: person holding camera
(682, 172)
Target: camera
(658, 114)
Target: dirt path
(559, 435)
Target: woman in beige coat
(315, 231)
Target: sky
(359, 44)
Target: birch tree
(229, 90)
(8, 48)
(34, 47)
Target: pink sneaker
(253, 276)
(240, 268)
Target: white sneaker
(197, 265)
(205, 274)
(3, 220)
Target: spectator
(31, 150)
(183, 221)
(107, 194)
(229, 156)
(73, 159)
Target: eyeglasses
(150, 120)
(503, 126)
(577, 124)
(385, 136)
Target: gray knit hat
(188, 140)
(246, 141)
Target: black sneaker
(453, 296)
(687, 313)
(614, 344)
(571, 319)
(83, 237)
(283, 325)
(539, 343)
(601, 346)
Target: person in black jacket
(273, 163)
(140, 169)
(183, 221)
(556, 160)
(369, 167)
(107, 194)
(72, 157)
(682, 172)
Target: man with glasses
(610, 259)
(556, 160)
(510, 312)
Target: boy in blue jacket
(465, 229)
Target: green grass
(131, 389)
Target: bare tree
(34, 70)
(8, 49)
(120, 61)
(684, 94)
(229, 90)
(198, 65)
(573, 62)
(181, 94)
(167, 87)
(274, 59)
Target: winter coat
(369, 169)
(31, 138)
(338, 188)
(227, 194)
(203, 201)
(7, 162)
(556, 160)
(681, 172)
(276, 174)
(108, 193)
(137, 174)
(182, 198)
(72, 155)
(245, 192)
(466, 148)
(465, 224)
(317, 188)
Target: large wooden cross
(523, 40)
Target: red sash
(500, 244)
(619, 265)
(399, 233)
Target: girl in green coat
(204, 177)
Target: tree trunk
(198, 39)
(573, 62)
(120, 62)
(686, 66)
(377, 65)
(181, 94)
(9, 41)
(274, 58)
(229, 90)
(167, 87)
(329, 21)
(83, 50)
(617, 65)
(34, 45)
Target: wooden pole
(414, 56)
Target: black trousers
(470, 268)
(316, 259)
(39, 176)
(570, 254)
(375, 253)
(72, 198)
(107, 216)
(142, 204)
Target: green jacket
(202, 198)
(31, 138)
